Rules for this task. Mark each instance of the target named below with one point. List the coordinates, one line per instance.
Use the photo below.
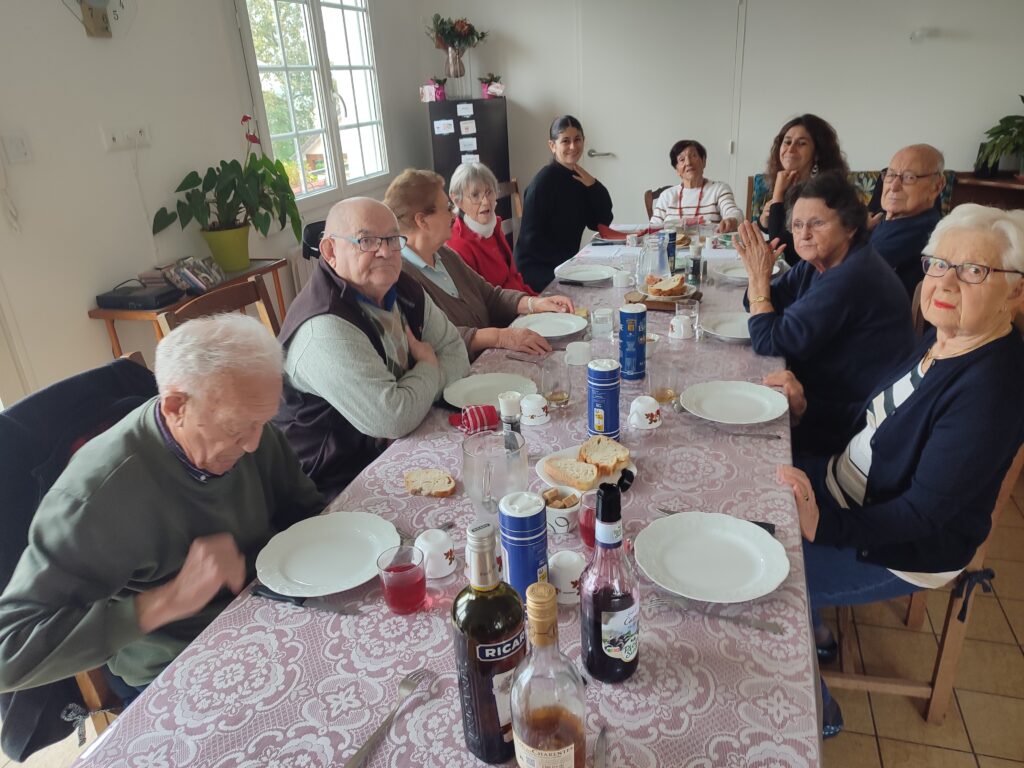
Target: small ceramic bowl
(564, 520)
(534, 410)
(564, 569)
(438, 553)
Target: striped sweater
(716, 203)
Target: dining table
(274, 684)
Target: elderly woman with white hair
(154, 523)
(907, 503)
(476, 232)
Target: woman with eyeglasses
(840, 317)
(562, 200)
(479, 310)
(476, 233)
(908, 501)
(804, 147)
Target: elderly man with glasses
(366, 351)
(910, 186)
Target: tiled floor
(985, 725)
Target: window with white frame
(315, 68)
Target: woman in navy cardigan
(907, 503)
(840, 317)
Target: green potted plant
(454, 36)
(485, 85)
(1005, 138)
(230, 197)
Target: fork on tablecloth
(409, 684)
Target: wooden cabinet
(1006, 193)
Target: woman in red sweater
(476, 233)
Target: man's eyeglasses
(371, 244)
(908, 178)
(966, 272)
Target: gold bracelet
(761, 300)
(529, 305)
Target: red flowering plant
(458, 33)
(232, 194)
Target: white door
(12, 386)
(652, 73)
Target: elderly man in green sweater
(156, 523)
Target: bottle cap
(609, 503)
(542, 610)
(508, 404)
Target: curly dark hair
(562, 123)
(827, 154)
(682, 145)
(833, 189)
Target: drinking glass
(556, 383)
(587, 518)
(491, 468)
(404, 579)
(686, 322)
(601, 323)
(663, 379)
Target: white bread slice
(605, 454)
(670, 286)
(429, 482)
(577, 474)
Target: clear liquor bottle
(490, 641)
(548, 702)
(609, 598)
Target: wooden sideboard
(1006, 193)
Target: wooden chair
(916, 314)
(938, 691)
(231, 298)
(510, 189)
(650, 196)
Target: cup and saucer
(644, 413)
(534, 410)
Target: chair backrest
(915, 311)
(228, 298)
(312, 234)
(510, 189)
(650, 195)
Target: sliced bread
(605, 454)
(429, 482)
(670, 286)
(577, 474)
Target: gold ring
(807, 498)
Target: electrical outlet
(116, 138)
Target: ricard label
(497, 651)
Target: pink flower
(253, 138)
(246, 119)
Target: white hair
(192, 356)
(468, 174)
(1008, 226)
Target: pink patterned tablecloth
(274, 685)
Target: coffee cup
(534, 410)
(564, 569)
(622, 279)
(564, 520)
(644, 413)
(438, 553)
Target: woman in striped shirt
(696, 200)
(907, 503)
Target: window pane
(373, 146)
(344, 98)
(264, 32)
(334, 31)
(355, 30)
(275, 99)
(286, 151)
(314, 162)
(352, 154)
(294, 33)
(366, 107)
(304, 103)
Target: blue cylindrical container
(670, 249)
(633, 341)
(523, 522)
(603, 398)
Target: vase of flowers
(485, 85)
(454, 36)
(439, 82)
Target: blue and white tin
(603, 398)
(523, 522)
(633, 341)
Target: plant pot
(453, 66)
(229, 247)
(484, 93)
(439, 94)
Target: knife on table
(319, 603)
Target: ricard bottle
(547, 697)
(490, 641)
(609, 596)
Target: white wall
(179, 70)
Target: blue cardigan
(937, 463)
(901, 241)
(841, 332)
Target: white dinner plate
(734, 402)
(711, 557)
(733, 270)
(551, 325)
(484, 388)
(727, 326)
(585, 273)
(573, 453)
(325, 554)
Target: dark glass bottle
(490, 640)
(609, 598)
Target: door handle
(595, 153)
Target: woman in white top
(696, 200)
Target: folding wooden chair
(229, 298)
(650, 195)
